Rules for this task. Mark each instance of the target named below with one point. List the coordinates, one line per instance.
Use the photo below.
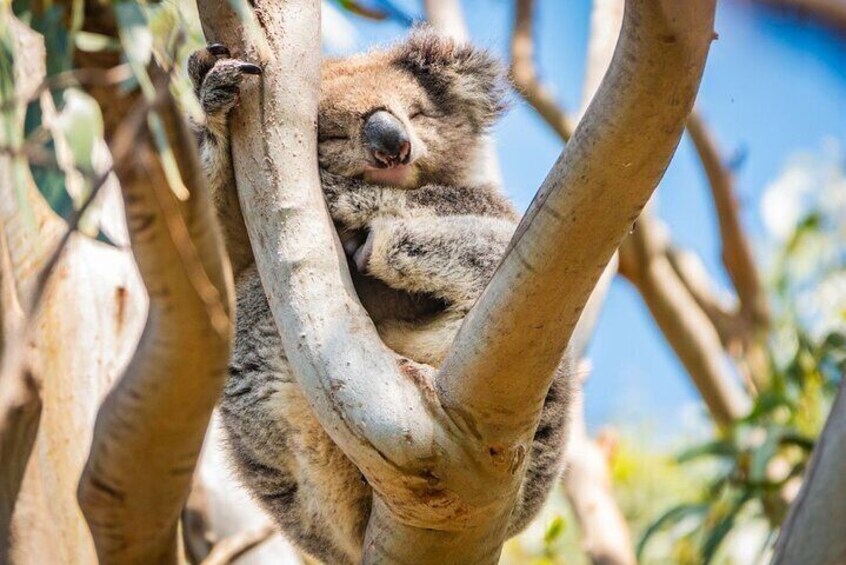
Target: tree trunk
(813, 530)
(87, 324)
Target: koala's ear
(459, 77)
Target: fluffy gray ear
(459, 77)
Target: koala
(400, 131)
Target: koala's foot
(217, 78)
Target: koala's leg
(451, 258)
(217, 81)
(427, 341)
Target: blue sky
(774, 87)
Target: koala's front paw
(217, 78)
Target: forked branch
(465, 431)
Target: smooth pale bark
(813, 530)
(87, 324)
(588, 481)
(229, 549)
(503, 358)
(446, 17)
(20, 401)
(605, 534)
(150, 428)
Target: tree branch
(605, 534)
(737, 252)
(721, 310)
(139, 469)
(20, 401)
(590, 199)
(831, 12)
(813, 530)
(524, 73)
(644, 262)
(446, 17)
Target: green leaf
(95, 42)
(715, 448)
(762, 455)
(81, 124)
(137, 43)
(554, 531)
(715, 536)
(168, 161)
(670, 517)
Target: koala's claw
(218, 50)
(250, 69)
(362, 255)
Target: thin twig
(829, 12)
(737, 251)
(524, 74)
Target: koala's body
(399, 134)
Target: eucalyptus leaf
(672, 516)
(716, 448)
(95, 42)
(137, 42)
(762, 455)
(168, 161)
(714, 536)
(81, 125)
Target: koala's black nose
(387, 139)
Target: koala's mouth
(400, 176)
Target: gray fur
(421, 254)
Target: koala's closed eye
(321, 138)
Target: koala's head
(410, 115)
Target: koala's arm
(217, 80)
(354, 204)
(451, 258)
